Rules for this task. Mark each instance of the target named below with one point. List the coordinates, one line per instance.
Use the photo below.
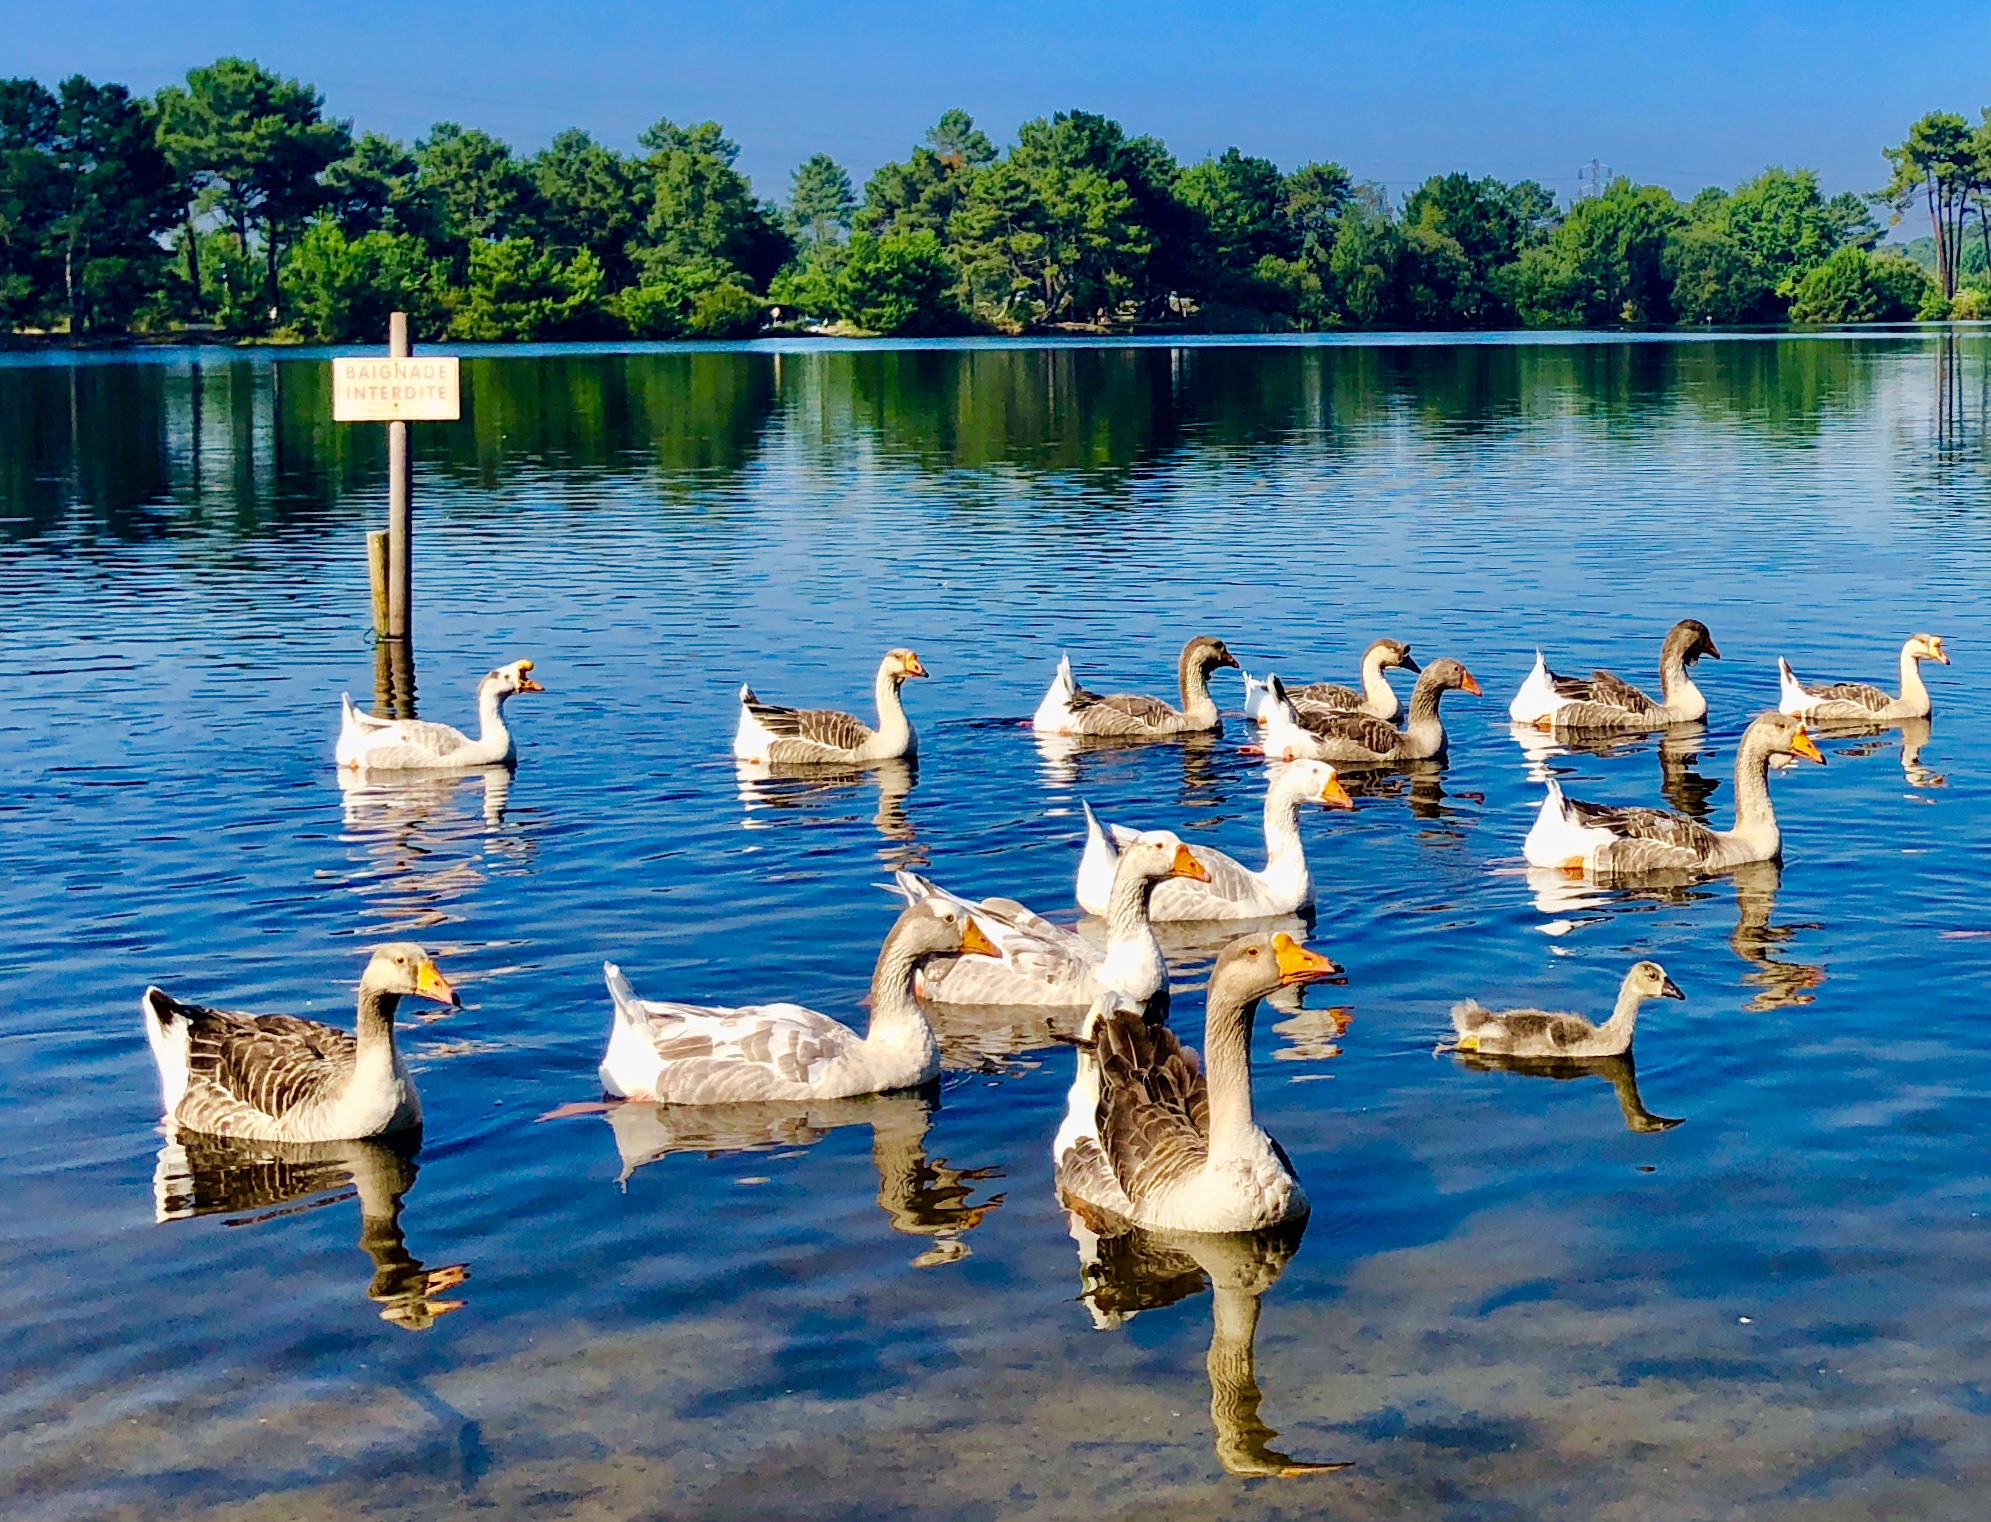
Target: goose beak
(1803, 745)
(525, 682)
(1668, 989)
(1708, 649)
(913, 667)
(430, 984)
(1334, 795)
(1409, 664)
(975, 942)
(1936, 649)
(1298, 965)
(1466, 682)
(1188, 866)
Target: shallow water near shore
(1520, 1293)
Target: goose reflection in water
(1126, 1273)
(1064, 759)
(922, 1196)
(1620, 1072)
(1572, 903)
(811, 790)
(200, 1175)
(426, 837)
(1878, 739)
(1679, 748)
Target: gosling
(1546, 1033)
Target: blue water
(1517, 1296)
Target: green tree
(1488, 223)
(1605, 265)
(703, 208)
(1241, 204)
(588, 197)
(84, 194)
(1715, 280)
(520, 291)
(341, 290)
(900, 284)
(698, 299)
(1856, 286)
(253, 145)
(1367, 262)
(379, 187)
(1938, 164)
(959, 143)
(480, 190)
(820, 201)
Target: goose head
(1447, 675)
(1690, 640)
(1785, 735)
(1253, 966)
(403, 968)
(1649, 981)
(1205, 653)
(1315, 781)
(934, 927)
(509, 681)
(1926, 647)
(900, 664)
(1391, 655)
(1160, 853)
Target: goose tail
(1791, 696)
(1052, 714)
(1255, 698)
(1537, 698)
(1097, 866)
(170, 1035)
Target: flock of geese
(1155, 1136)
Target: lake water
(1518, 1296)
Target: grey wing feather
(1538, 1026)
(1121, 712)
(437, 738)
(1231, 882)
(1363, 731)
(820, 726)
(1656, 826)
(1154, 1106)
(1329, 695)
(267, 1064)
(1872, 699)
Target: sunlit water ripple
(1509, 1301)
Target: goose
(1857, 703)
(1152, 1139)
(1042, 964)
(824, 737)
(1068, 709)
(277, 1078)
(1549, 701)
(1377, 698)
(1546, 1033)
(407, 744)
(1356, 739)
(1233, 890)
(670, 1053)
(1619, 841)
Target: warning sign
(369, 388)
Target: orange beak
(913, 667)
(975, 943)
(1297, 964)
(1803, 745)
(1467, 683)
(431, 984)
(1334, 795)
(526, 683)
(1188, 866)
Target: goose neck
(491, 713)
(1194, 681)
(1227, 1064)
(895, 1013)
(1624, 1018)
(1282, 824)
(1914, 694)
(375, 1026)
(1377, 694)
(1754, 816)
(893, 725)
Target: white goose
(277, 1078)
(1042, 965)
(1233, 890)
(373, 744)
(1152, 1139)
(671, 1053)
(1858, 703)
(824, 737)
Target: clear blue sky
(1681, 94)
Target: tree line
(232, 203)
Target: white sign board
(370, 388)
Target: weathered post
(400, 512)
(394, 391)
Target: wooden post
(400, 515)
(376, 575)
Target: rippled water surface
(1520, 1295)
